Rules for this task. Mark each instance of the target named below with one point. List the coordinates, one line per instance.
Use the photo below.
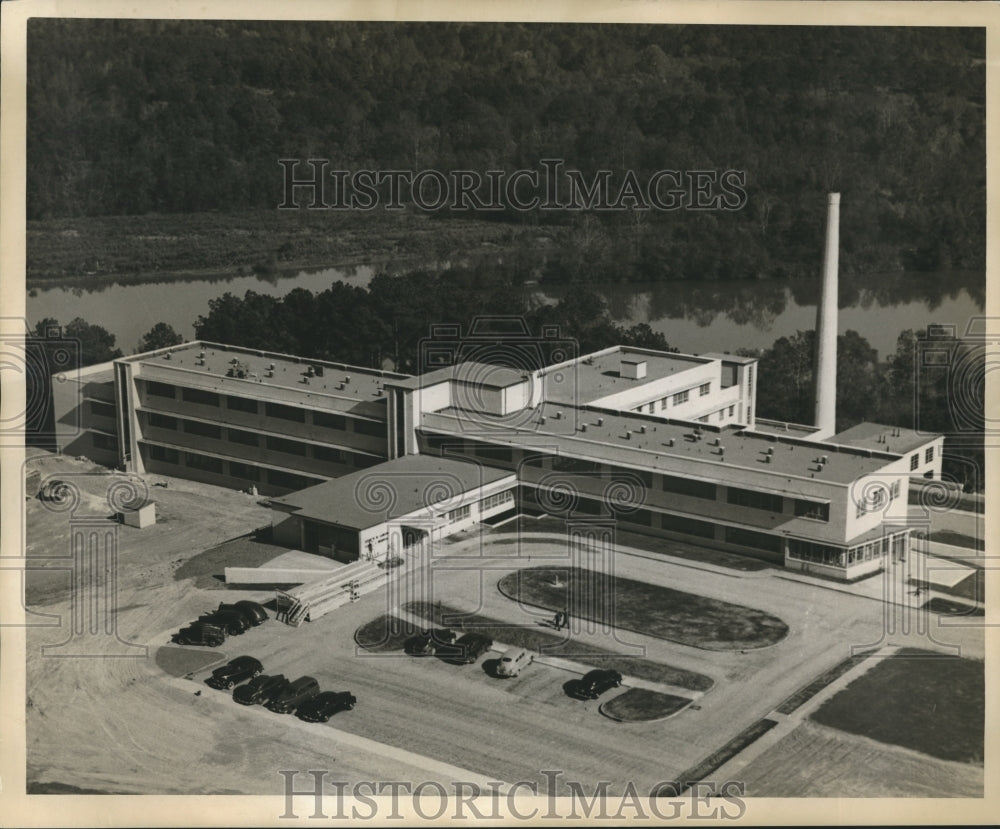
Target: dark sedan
(429, 642)
(260, 690)
(594, 683)
(320, 708)
(467, 649)
(235, 671)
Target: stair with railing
(310, 601)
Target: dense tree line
(131, 117)
(944, 396)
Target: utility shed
(141, 517)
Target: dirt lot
(127, 725)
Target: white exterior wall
(517, 397)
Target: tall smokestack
(825, 417)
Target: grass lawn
(805, 694)
(917, 699)
(386, 633)
(949, 608)
(645, 608)
(716, 759)
(207, 567)
(643, 705)
(184, 661)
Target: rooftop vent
(558, 415)
(166, 356)
(200, 361)
(583, 427)
(824, 459)
(347, 379)
(670, 442)
(378, 392)
(310, 371)
(600, 421)
(201, 355)
(270, 366)
(633, 369)
(627, 435)
(319, 371)
(642, 430)
(770, 450)
(269, 373)
(767, 458)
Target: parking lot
(126, 725)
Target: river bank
(88, 252)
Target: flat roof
(743, 458)
(898, 440)
(483, 374)
(288, 372)
(729, 358)
(598, 375)
(392, 489)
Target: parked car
(235, 671)
(594, 683)
(513, 661)
(202, 633)
(232, 622)
(255, 610)
(260, 690)
(323, 706)
(304, 688)
(467, 649)
(429, 642)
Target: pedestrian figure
(557, 619)
(565, 619)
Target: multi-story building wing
(237, 417)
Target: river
(694, 316)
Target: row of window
(101, 409)
(271, 442)
(242, 471)
(840, 556)
(875, 500)
(676, 399)
(915, 457)
(492, 501)
(280, 411)
(459, 514)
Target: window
(500, 454)
(203, 462)
(537, 461)
(290, 447)
(929, 454)
(330, 421)
(162, 453)
(242, 404)
(162, 421)
(563, 463)
(731, 410)
(328, 453)
(914, 461)
(244, 471)
(102, 409)
(663, 403)
(753, 498)
(749, 538)
(894, 492)
(687, 486)
(459, 514)
(703, 419)
(206, 430)
(819, 553)
(687, 526)
(106, 442)
(640, 516)
(239, 436)
(805, 508)
(652, 407)
(285, 412)
(289, 480)
(370, 427)
(680, 397)
(491, 501)
(364, 461)
(704, 389)
(205, 398)
(160, 389)
(722, 414)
